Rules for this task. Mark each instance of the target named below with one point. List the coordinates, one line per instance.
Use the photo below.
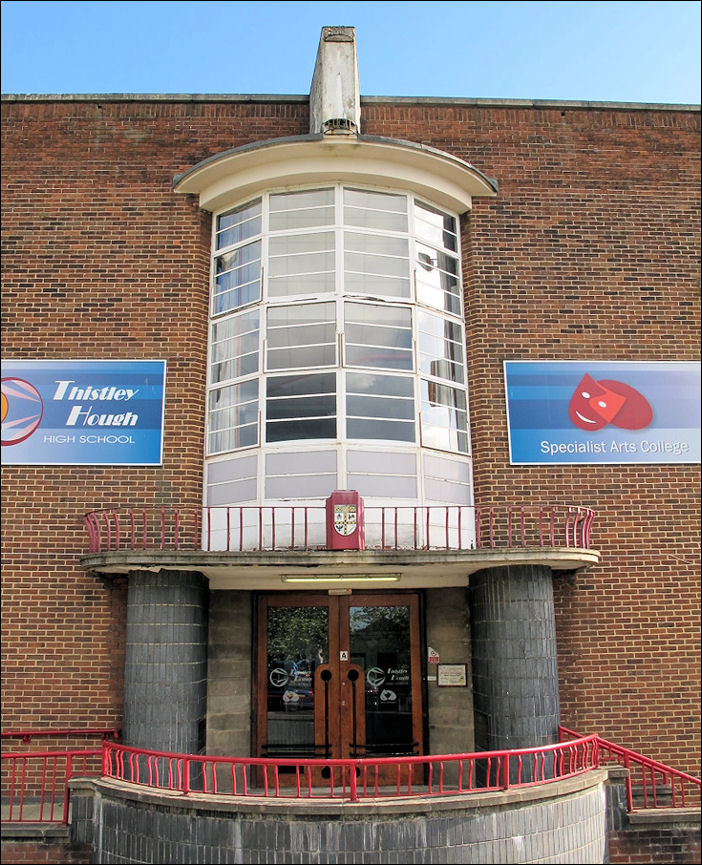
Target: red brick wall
(37, 853)
(671, 844)
(589, 251)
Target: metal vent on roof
(339, 125)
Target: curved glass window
(336, 315)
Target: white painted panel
(231, 493)
(301, 463)
(383, 486)
(232, 470)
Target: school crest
(345, 519)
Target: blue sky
(594, 51)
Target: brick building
(384, 297)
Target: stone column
(165, 682)
(515, 671)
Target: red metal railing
(351, 779)
(35, 783)
(258, 527)
(655, 780)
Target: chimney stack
(335, 100)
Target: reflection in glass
(380, 407)
(239, 224)
(301, 407)
(380, 644)
(298, 642)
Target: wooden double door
(338, 675)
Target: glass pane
(283, 201)
(375, 200)
(387, 286)
(440, 347)
(385, 358)
(379, 642)
(294, 244)
(318, 405)
(228, 440)
(295, 430)
(234, 394)
(237, 297)
(301, 357)
(235, 326)
(239, 224)
(384, 385)
(238, 277)
(376, 244)
(367, 334)
(385, 430)
(441, 395)
(229, 348)
(373, 313)
(309, 283)
(435, 227)
(444, 439)
(309, 334)
(384, 286)
(367, 253)
(380, 407)
(235, 344)
(298, 642)
(238, 257)
(313, 262)
(376, 210)
(308, 313)
(439, 328)
(301, 385)
(444, 417)
(302, 218)
(246, 364)
(442, 294)
(301, 336)
(372, 400)
(226, 418)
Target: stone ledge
(40, 832)
(652, 817)
(265, 570)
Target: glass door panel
(379, 643)
(297, 643)
(339, 676)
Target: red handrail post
(505, 771)
(353, 789)
(69, 772)
(629, 793)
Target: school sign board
(83, 412)
(582, 412)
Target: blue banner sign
(82, 412)
(581, 412)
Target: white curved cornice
(234, 175)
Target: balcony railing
(250, 528)
(352, 779)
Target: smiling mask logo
(595, 404)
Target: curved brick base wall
(562, 822)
